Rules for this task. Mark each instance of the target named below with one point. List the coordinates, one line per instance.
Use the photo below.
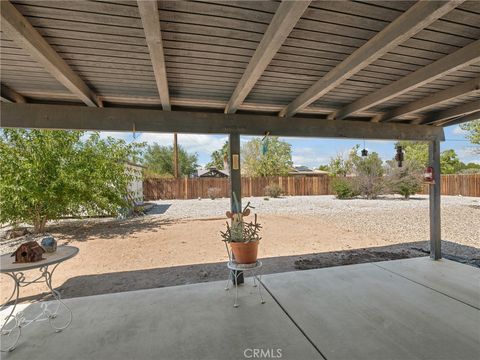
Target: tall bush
(47, 174)
(273, 190)
(344, 188)
(369, 173)
(406, 180)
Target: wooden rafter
(405, 26)
(463, 57)
(461, 119)
(460, 110)
(151, 26)
(25, 35)
(283, 22)
(220, 104)
(9, 95)
(469, 87)
(122, 119)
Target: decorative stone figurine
(49, 244)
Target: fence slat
(183, 188)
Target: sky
(305, 151)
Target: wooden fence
(185, 188)
(465, 185)
(154, 189)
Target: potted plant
(242, 236)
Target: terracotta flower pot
(245, 253)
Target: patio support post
(434, 198)
(235, 185)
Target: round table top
(65, 252)
(232, 265)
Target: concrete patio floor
(403, 309)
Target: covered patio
(398, 70)
(402, 309)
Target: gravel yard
(178, 242)
(390, 217)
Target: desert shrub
(406, 180)
(369, 186)
(369, 175)
(273, 190)
(214, 192)
(344, 188)
(469, 171)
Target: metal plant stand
(56, 311)
(237, 270)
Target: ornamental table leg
(11, 328)
(53, 315)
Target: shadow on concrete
(198, 273)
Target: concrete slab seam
(428, 287)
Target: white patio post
(434, 198)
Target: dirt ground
(163, 250)
(152, 252)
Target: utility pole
(175, 156)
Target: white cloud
(468, 154)
(114, 134)
(191, 142)
(458, 131)
(309, 156)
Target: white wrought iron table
(237, 269)
(12, 327)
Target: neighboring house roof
(304, 170)
(301, 168)
(135, 164)
(212, 172)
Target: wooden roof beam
(469, 87)
(24, 34)
(9, 95)
(419, 16)
(152, 120)
(283, 22)
(463, 57)
(460, 110)
(151, 26)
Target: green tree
(340, 165)
(473, 129)
(218, 156)
(324, 168)
(449, 162)
(276, 161)
(470, 168)
(417, 151)
(159, 160)
(46, 174)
